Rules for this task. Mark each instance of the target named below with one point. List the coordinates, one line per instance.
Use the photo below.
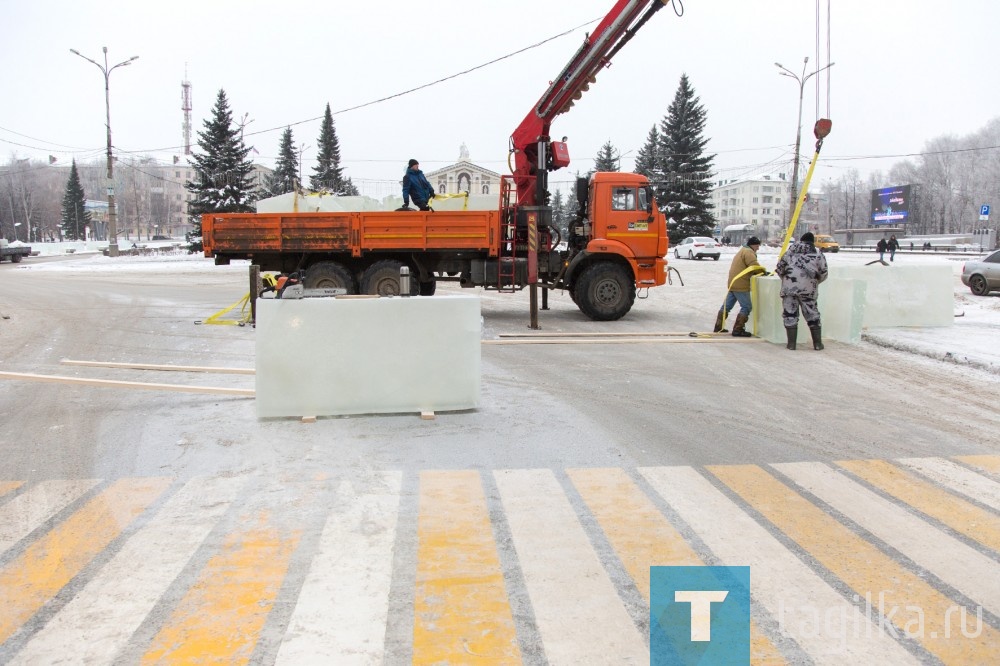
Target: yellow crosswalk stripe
(915, 608)
(642, 537)
(47, 565)
(461, 610)
(220, 618)
(988, 463)
(972, 521)
(8, 486)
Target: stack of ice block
(904, 295)
(335, 356)
(856, 297)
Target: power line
(412, 90)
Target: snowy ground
(970, 341)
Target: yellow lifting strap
(243, 304)
(821, 130)
(465, 204)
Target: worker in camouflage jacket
(801, 269)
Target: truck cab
(620, 229)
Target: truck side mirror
(582, 191)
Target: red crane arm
(613, 32)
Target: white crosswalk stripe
(562, 572)
(341, 612)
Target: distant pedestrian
(801, 269)
(744, 265)
(881, 247)
(892, 246)
(416, 187)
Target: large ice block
(841, 305)
(336, 356)
(912, 295)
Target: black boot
(739, 328)
(817, 335)
(720, 324)
(793, 336)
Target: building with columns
(464, 176)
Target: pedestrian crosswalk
(873, 561)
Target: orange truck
(615, 245)
(615, 248)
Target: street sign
(984, 210)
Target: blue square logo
(699, 615)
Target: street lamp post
(16, 225)
(112, 218)
(801, 80)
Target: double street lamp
(801, 80)
(112, 218)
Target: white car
(696, 247)
(982, 276)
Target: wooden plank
(609, 341)
(56, 379)
(643, 334)
(153, 366)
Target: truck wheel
(15, 258)
(329, 275)
(382, 279)
(428, 288)
(605, 291)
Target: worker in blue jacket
(416, 187)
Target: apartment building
(752, 206)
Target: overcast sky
(905, 72)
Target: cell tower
(186, 108)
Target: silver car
(696, 247)
(982, 276)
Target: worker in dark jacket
(801, 269)
(744, 266)
(416, 187)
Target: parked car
(161, 237)
(982, 276)
(827, 244)
(696, 247)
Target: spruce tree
(75, 216)
(646, 158)
(285, 177)
(607, 158)
(222, 181)
(684, 193)
(328, 174)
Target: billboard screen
(891, 205)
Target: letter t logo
(701, 610)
